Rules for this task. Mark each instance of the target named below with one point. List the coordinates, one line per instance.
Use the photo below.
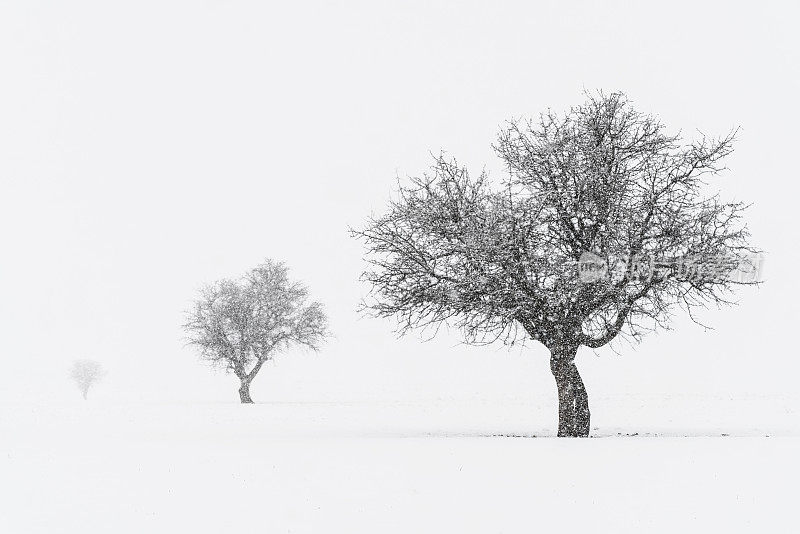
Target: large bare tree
(241, 324)
(601, 227)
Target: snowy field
(436, 466)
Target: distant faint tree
(240, 324)
(85, 373)
(604, 185)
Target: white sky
(148, 148)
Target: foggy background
(149, 148)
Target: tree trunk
(244, 393)
(573, 402)
(245, 378)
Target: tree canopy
(500, 260)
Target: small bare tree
(603, 189)
(239, 325)
(85, 373)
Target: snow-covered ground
(716, 463)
